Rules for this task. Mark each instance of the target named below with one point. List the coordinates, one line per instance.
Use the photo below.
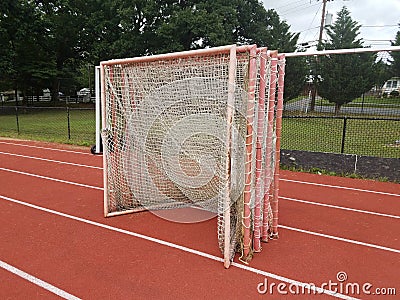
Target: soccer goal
(196, 129)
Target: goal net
(196, 129)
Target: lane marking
(281, 179)
(52, 179)
(282, 226)
(281, 197)
(51, 160)
(45, 148)
(43, 284)
(340, 187)
(179, 247)
(332, 237)
(340, 207)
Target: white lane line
(340, 207)
(51, 160)
(281, 197)
(281, 179)
(179, 247)
(332, 237)
(37, 281)
(296, 229)
(339, 187)
(45, 148)
(52, 179)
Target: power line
(298, 8)
(290, 3)
(377, 40)
(380, 26)
(315, 15)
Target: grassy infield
(363, 137)
(52, 126)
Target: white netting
(165, 135)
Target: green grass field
(377, 100)
(50, 125)
(363, 137)
(368, 101)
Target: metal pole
(362, 104)
(17, 118)
(98, 108)
(69, 125)
(343, 134)
(90, 88)
(342, 51)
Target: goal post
(97, 147)
(228, 165)
(195, 129)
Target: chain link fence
(344, 121)
(55, 124)
(341, 109)
(378, 137)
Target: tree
(56, 42)
(344, 77)
(24, 62)
(395, 66)
(8, 38)
(382, 73)
(198, 24)
(194, 24)
(63, 23)
(45, 47)
(279, 37)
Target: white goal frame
(273, 108)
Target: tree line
(342, 78)
(55, 44)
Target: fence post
(17, 118)
(343, 134)
(69, 124)
(362, 104)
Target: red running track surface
(318, 238)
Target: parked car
(84, 94)
(391, 87)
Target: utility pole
(321, 28)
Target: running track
(55, 242)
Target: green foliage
(395, 67)
(382, 73)
(196, 24)
(278, 36)
(46, 46)
(56, 42)
(344, 77)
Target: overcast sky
(379, 19)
